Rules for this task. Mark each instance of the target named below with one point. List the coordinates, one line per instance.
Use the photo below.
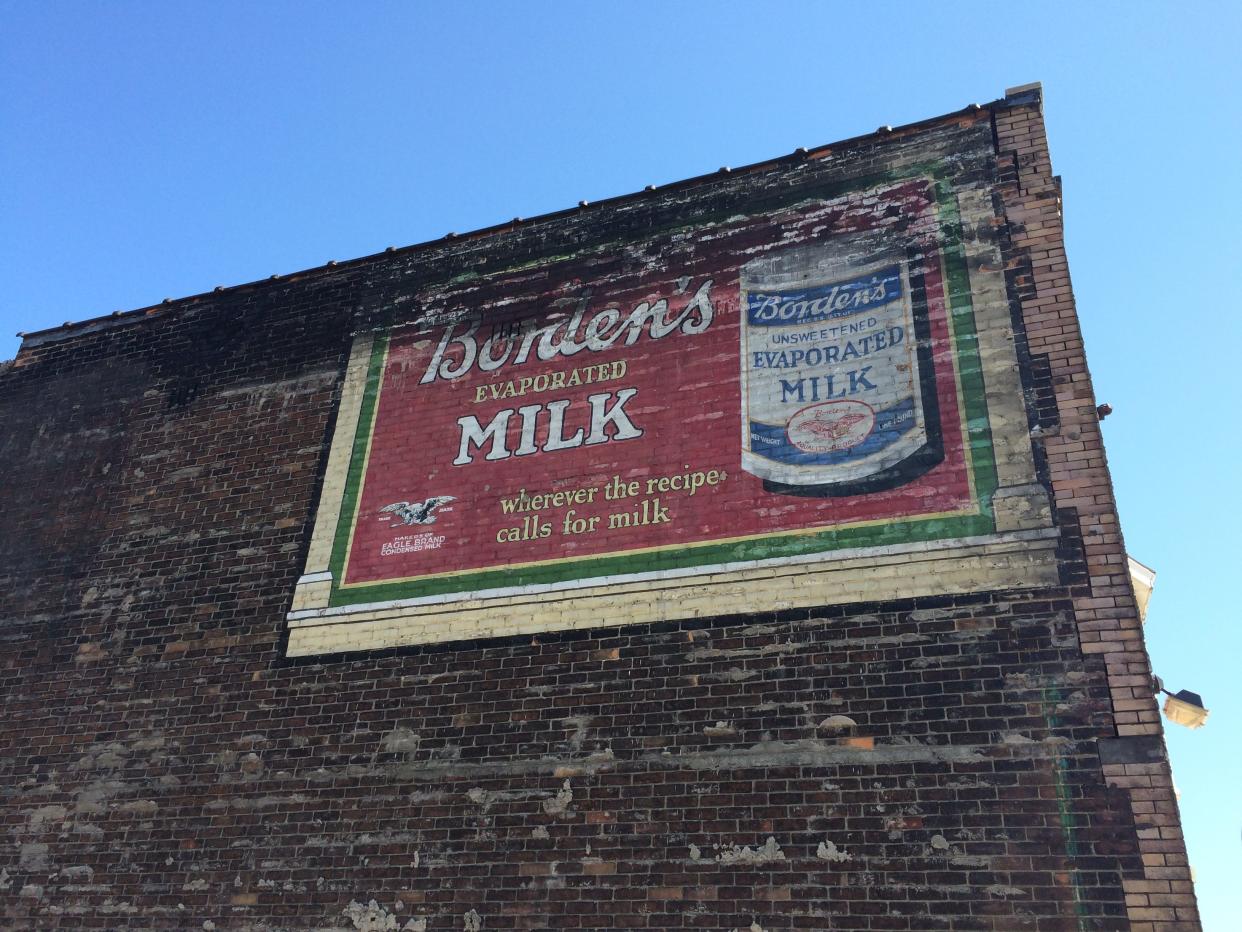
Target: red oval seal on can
(831, 426)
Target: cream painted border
(1021, 560)
(314, 588)
(1021, 554)
(1020, 502)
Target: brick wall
(974, 761)
(1109, 626)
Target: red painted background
(687, 405)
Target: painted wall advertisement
(760, 388)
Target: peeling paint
(32, 856)
(251, 767)
(1014, 738)
(139, 807)
(712, 653)
(731, 675)
(809, 752)
(580, 724)
(77, 872)
(372, 917)
(557, 804)
(837, 723)
(401, 740)
(769, 852)
(828, 851)
(46, 814)
(969, 861)
(1001, 890)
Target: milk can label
(830, 373)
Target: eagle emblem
(834, 429)
(416, 512)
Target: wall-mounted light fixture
(1182, 707)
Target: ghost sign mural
(767, 390)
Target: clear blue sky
(159, 149)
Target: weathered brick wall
(1162, 897)
(985, 761)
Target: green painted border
(357, 459)
(785, 544)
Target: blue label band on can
(823, 302)
(833, 388)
